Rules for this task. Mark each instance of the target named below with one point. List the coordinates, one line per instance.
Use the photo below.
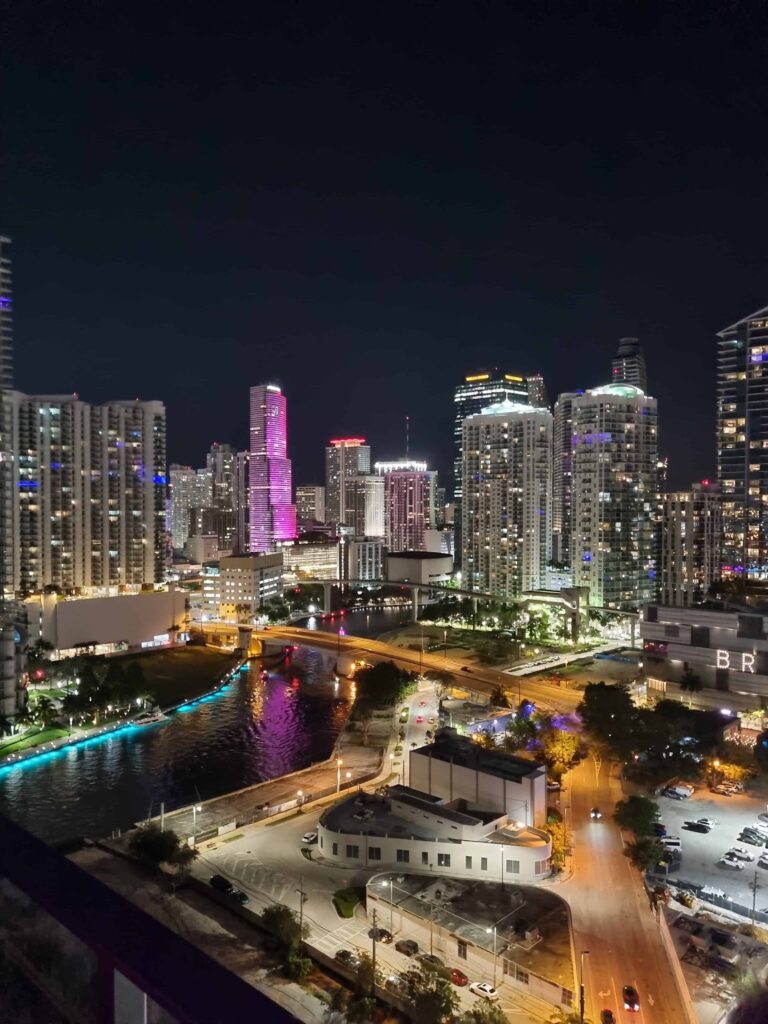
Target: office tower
(365, 559)
(477, 391)
(562, 431)
(242, 488)
(310, 504)
(614, 495)
(506, 529)
(272, 516)
(90, 487)
(742, 444)
(345, 457)
(691, 534)
(185, 495)
(440, 501)
(364, 509)
(537, 391)
(628, 366)
(409, 504)
(6, 383)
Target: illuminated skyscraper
(345, 457)
(742, 444)
(506, 503)
(691, 530)
(6, 383)
(628, 366)
(310, 503)
(615, 483)
(273, 516)
(537, 391)
(410, 494)
(562, 483)
(477, 391)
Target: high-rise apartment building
(477, 391)
(691, 534)
(185, 495)
(562, 477)
(537, 391)
(364, 506)
(614, 495)
(310, 504)
(90, 486)
(242, 486)
(345, 457)
(272, 515)
(6, 383)
(410, 492)
(506, 527)
(628, 366)
(742, 444)
(220, 464)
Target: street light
(489, 930)
(391, 904)
(339, 763)
(349, 776)
(445, 643)
(584, 952)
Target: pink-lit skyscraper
(272, 516)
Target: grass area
(182, 673)
(33, 739)
(345, 900)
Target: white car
(484, 989)
(742, 853)
(309, 838)
(709, 822)
(729, 861)
(760, 826)
(763, 861)
(671, 842)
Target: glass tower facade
(742, 444)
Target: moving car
(696, 826)
(607, 1017)
(459, 977)
(484, 989)
(553, 786)
(380, 935)
(422, 703)
(408, 947)
(729, 861)
(631, 999)
(347, 957)
(419, 719)
(309, 837)
(222, 884)
(595, 814)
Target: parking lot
(701, 852)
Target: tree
(37, 653)
(484, 1012)
(610, 716)
(484, 739)
(336, 1010)
(25, 718)
(44, 712)
(690, 682)
(567, 1017)
(297, 966)
(645, 852)
(560, 749)
(559, 837)
(637, 814)
(364, 714)
(5, 724)
(154, 847)
(113, 689)
(430, 991)
(284, 925)
(367, 978)
(384, 684)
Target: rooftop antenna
(407, 438)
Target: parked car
(408, 947)
(430, 960)
(696, 826)
(631, 999)
(660, 830)
(753, 838)
(380, 935)
(394, 982)
(553, 787)
(721, 790)
(672, 794)
(347, 957)
(309, 838)
(671, 842)
(707, 821)
(741, 853)
(484, 989)
(240, 896)
(459, 977)
(763, 860)
(222, 884)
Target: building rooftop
(417, 556)
(618, 391)
(449, 746)
(510, 408)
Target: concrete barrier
(677, 970)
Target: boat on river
(150, 717)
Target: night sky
(365, 201)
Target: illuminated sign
(348, 440)
(747, 661)
(508, 376)
(478, 376)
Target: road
(610, 911)
(480, 680)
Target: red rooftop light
(348, 440)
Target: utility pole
(302, 900)
(754, 887)
(373, 958)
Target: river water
(252, 730)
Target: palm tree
(45, 712)
(25, 718)
(5, 724)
